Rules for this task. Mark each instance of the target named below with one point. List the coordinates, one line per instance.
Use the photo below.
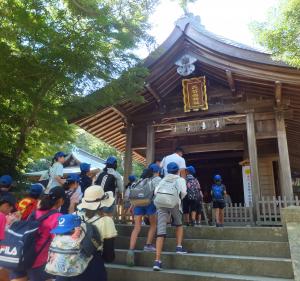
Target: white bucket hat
(95, 198)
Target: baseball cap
(111, 160)
(73, 178)
(191, 170)
(172, 167)
(67, 223)
(59, 154)
(8, 198)
(154, 167)
(132, 178)
(217, 178)
(6, 180)
(85, 167)
(36, 189)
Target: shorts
(149, 210)
(191, 206)
(219, 204)
(163, 217)
(33, 274)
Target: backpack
(107, 182)
(127, 203)
(26, 207)
(141, 193)
(70, 256)
(167, 195)
(17, 250)
(193, 189)
(217, 192)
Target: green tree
(281, 33)
(56, 51)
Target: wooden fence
(267, 212)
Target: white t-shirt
(57, 170)
(173, 158)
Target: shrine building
(227, 105)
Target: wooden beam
(103, 125)
(230, 81)
(284, 161)
(120, 111)
(209, 147)
(252, 149)
(153, 92)
(150, 144)
(278, 93)
(128, 153)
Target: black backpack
(17, 250)
(92, 240)
(107, 182)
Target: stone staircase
(214, 254)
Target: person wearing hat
(29, 204)
(192, 203)
(218, 192)
(5, 184)
(56, 171)
(110, 179)
(163, 214)
(73, 194)
(91, 210)
(85, 180)
(48, 206)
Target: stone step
(226, 264)
(222, 247)
(118, 272)
(273, 234)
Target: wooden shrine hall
(226, 104)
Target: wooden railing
(268, 212)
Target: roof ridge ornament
(189, 18)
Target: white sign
(247, 185)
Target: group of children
(65, 218)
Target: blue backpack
(218, 192)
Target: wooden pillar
(284, 159)
(252, 150)
(150, 144)
(128, 153)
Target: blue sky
(229, 18)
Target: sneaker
(130, 258)
(180, 250)
(157, 266)
(149, 248)
(193, 223)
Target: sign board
(247, 185)
(194, 94)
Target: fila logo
(7, 251)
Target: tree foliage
(54, 52)
(281, 33)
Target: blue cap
(59, 154)
(73, 178)
(154, 167)
(191, 170)
(6, 180)
(67, 223)
(36, 189)
(111, 160)
(8, 198)
(172, 167)
(132, 178)
(217, 178)
(85, 167)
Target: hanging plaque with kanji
(194, 94)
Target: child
(56, 171)
(5, 184)
(7, 203)
(29, 204)
(128, 210)
(49, 204)
(85, 180)
(218, 193)
(91, 211)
